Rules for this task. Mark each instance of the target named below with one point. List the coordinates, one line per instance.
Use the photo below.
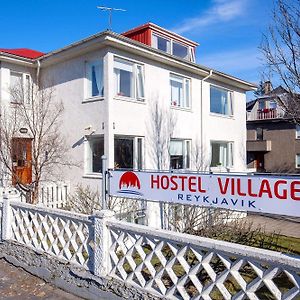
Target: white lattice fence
(66, 235)
(180, 266)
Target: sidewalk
(282, 225)
(17, 284)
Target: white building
(109, 84)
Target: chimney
(267, 87)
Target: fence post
(6, 219)
(102, 242)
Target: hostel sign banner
(265, 194)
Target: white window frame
(138, 162)
(135, 80)
(230, 154)
(186, 149)
(297, 131)
(88, 165)
(26, 89)
(184, 102)
(230, 94)
(88, 78)
(296, 164)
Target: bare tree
(199, 156)
(38, 112)
(281, 50)
(162, 125)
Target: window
(298, 161)
(95, 86)
(221, 154)
(180, 91)
(220, 101)
(297, 131)
(259, 134)
(20, 87)
(180, 154)
(129, 78)
(95, 152)
(129, 152)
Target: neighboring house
(273, 139)
(109, 83)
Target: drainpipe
(38, 72)
(201, 116)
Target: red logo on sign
(129, 184)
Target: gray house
(273, 139)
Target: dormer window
(170, 46)
(163, 40)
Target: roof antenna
(110, 10)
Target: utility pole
(110, 10)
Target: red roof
(23, 52)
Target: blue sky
(229, 31)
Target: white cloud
(221, 11)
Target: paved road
(17, 284)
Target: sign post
(104, 178)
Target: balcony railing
(267, 113)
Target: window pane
(95, 88)
(124, 153)
(176, 154)
(140, 83)
(273, 104)
(161, 43)
(124, 77)
(180, 50)
(259, 134)
(97, 150)
(27, 89)
(220, 101)
(297, 131)
(15, 80)
(95, 78)
(298, 161)
(139, 154)
(187, 154)
(176, 90)
(261, 104)
(221, 154)
(176, 147)
(187, 93)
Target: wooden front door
(21, 160)
(259, 162)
